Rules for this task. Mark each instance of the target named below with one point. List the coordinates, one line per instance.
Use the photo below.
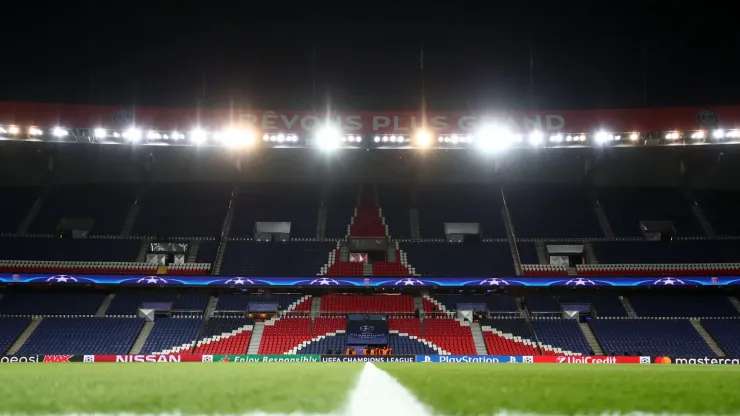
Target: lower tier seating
(225, 336)
(10, 330)
(563, 334)
(283, 334)
(168, 333)
(410, 326)
(322, 345)
(726, 332)
(508, 337)
(51, 303)
(405, 345)
(650, 337)
(450, 335)
(83, 336)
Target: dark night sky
(586, 55)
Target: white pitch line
(378, 393)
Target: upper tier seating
(169, 210)
(450, 335)
(561, 333)
(473, 204)
(395, 202)
(340, 203)
(390, 304)
(626, 207)
(494, 303)
(128, 303)
(345, 268)
(69, 249)
(168, 333)
(283, 334)
(367, 223)
(240, 302)
(460, 259)
(404, 345)
(606, 305)
(552, 212)
(650, 337)
(17, 202)
(544, 270)
(83, 336)
(660, 270)
(191, 301)
(10, 330)
(682, 305)
(323, 326)
(677, 251)
(387, 268)
(249, 258)
(207, 252)
(107, 205)
(720, 208)
(51, 303)
(726, 332)
(541, 302)
(296, 204)
(65, 268)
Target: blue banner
(246, 281)
(469, 359)
(367, 332)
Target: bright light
(132, 135)
(35, 131)
(176, 135)
(556, 138)
(385, 139)
(423, 138)
(235, 138)
(99, 133)
(197, 136)
(673, 135)
(2, 130)
(59, 132)
(603, 137)
(14, 130)
(153, 135)
(697, 135)
(376, 139)
(718, 134)
(634, 136)
(328, 137)
(733, 134)
(536, 138)
(493, 138)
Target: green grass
(189, 388)
(567, 389)
(450, 389)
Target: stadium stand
(673, 337)
(106, 204)
(626, 207)
(83, 336)
(409, 345)
(720, 209)
(395, 202)
(17, 202)
(677, 251)
(69, 249)
(605, 305)
(322, 344)
(225, 336)
(509, 337)
(493, 303)
(281, 335)
(682, 305)
(296, 204)
(50, 303)
(552, 212)
(388, 304)
(171, 332)
(476, 205)
(561, 335)
(408, 326)
(541, 302)
(340, 203)
(129, 302)
(450, 335)
(240, 302)
(250, 258)
(168, 210)
(10, 330)
(726, 333)
(434, 259)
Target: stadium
(555, 262)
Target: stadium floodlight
(35, 131)
(132, 135)
(2, 130)
(99, 133)
(536, 138)
(197, 135)
(60, 132)
(733, 134)
(492, 138)
(603, 137)
(376, 139)
(235, 138)
(672, 135)
(385, 139)
(153, 135)
(556, 138)
(328, 137)
(14, 130)
(718, 134)
(634, 136)
(423, 138)
(176, 135)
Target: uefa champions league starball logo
(62, 278)
(493, 282)
(409, 282)
(152, 280)
(324, 281)
(238, 281)
(668, 281)
(580, 282)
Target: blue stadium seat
(321, 346)
(107, 205)
(238, 302)
(83, 336)
(406, 346)
(460, 259)
(561, 333)
(51, 303)
(678, 251)
(207, 252)
(171, 332)
(395, 202)
(542, 302)
(518, 327)
(340, 203)
(720, 208)
(295, 259)
(191, 301)
(218, 326)
(495, 303)
(527, 253)
(607, 305)
(10, 330)
(650, 337)
(128, 303)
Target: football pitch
(357, 389)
